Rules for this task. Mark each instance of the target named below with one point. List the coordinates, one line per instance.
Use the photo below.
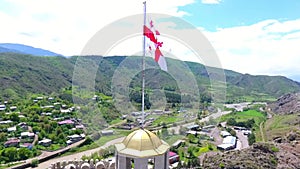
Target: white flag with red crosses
(151, 33)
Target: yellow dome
(142, 143)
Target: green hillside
(23, 74)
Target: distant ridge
(24, 49)
(51, 74)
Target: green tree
(231, 131)
(231, 122)
(24, 153)
(36, 129)
(2, 137)
(190, 151)
(11, 153)
(194, 162)
(14, 117)
(251, 138)
(34, 163)
(192, 138)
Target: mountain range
(22, 74)
(24, 49)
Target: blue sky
(230, 13)
(249, 36)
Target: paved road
(46, 164)
(206, 119)
(215, 115)
(242, 140)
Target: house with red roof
(66, 122)
(173, 157)
(12, 143)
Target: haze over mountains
(24, 49)
(22, 73)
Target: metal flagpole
(143, 71)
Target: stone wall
(83, 165)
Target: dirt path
(261, 129)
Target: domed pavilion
(139, 147)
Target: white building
(12, 129)
(228, 143)
(225, 134)
(2, 107)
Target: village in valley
(46, 126)
(208, 84)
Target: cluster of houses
(75, 138)
(196, 130)
(76, 125)
(3, 107)
(72, 138)
(21, 135)
(229, 142)
(25, 139)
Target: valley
(44, 112)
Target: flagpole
(143, 69)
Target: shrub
(34, 163)
(222, 165)
(274, 149)
(251, 138)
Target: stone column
(141, 163)
(123, 162)
(162, 161)
(167, 159)
(159, 162)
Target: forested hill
(22, 74)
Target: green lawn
(115, 121)
(117, 134)
(166, 119)
(257, 116)
(173, 138)
(208, 147)
(246, 115)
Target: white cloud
(211, 1)
(268, 47)
(65, 26)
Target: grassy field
(166, 119)
(280, 125)
(257, 116)
(246, 115)
(206, 148)
(173, 138)
(116, 121)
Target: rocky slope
(286, 104)
(257, 156)
(288, 155)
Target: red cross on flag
(154, 45)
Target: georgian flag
(154, 46)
